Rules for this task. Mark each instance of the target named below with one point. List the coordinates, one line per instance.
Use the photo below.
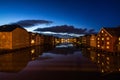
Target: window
(32, 41)
(119, 38)
(107, 58)
(102, 31)
(108, 38)
(98, 38)
(98, 45)
(32, 51)
(98, 42)
(98, 54)
(108, 43)
(102, 47)
(105, 34)
(102, 38)
(107, 47)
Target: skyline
(90, 14)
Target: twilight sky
(91, 14)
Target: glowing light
(98, 38)
(98, 61)
(33, 51)
(105, 34)
(102, 71)
(32, 41)
(119, 69)
(98, 54)
(108, 43)
(107, 47)
(119, 38)
(108, 58)
(108, 38)
(102, 31)
(98, 42)
(98, 45)
(102, 38)
(102, 63)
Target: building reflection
(36, 51)
(106, 62)
(18, 60)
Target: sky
(91, 14)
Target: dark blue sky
(79, 13)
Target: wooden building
(86, 40)
(93, 40)
(108, 39)
(14, 61)
(48, 40)
(34, 39)
(13, 37)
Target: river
(62, 62)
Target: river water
(62, 62)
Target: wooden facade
(107, 39)
(13, 37)
(93, 40)
(34, 39)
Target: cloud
(66, 29)
(31, 23)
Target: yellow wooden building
(35, 39)
(13, 37)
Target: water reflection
(17, 60)
(37, 63)
(106, 62)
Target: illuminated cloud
(31, 23)
(66, 29)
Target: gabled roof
(9, 28)
(114, 31)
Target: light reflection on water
(106, 62)
(35, 61)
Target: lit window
(102, 32)
(92, 38)
(105, 34)
(102, 71)
(98, 38)
(32, 51)
(119, 69)
(98, 45)
(102, 47)
(108, 43)
(107, 47)
(119, 38)
(108, 38)
(98, 61)
(32, 41)
(107, 58)
(102, 63)
(98, 42)
(98, 54)
(102, 38)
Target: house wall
(5, 40)
(93, 41)
(37, 39)
(20, 38)
(105, 41)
